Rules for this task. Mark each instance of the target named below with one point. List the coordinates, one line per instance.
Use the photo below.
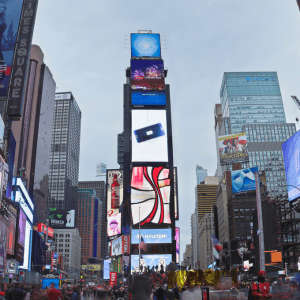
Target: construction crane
(297, 101)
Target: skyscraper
(33, 132)
(65, 148)
(251, 98)
(99, 187)
(201, 174)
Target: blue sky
(86, 46)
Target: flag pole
(139, 240)
(212, 242)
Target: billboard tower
(149, 179)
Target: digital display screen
(22, 227)
(10, 17)
(114, 193)
(106, 269)
(243, 180)
(291, 156)
(150, 260)
(177, 240)
(152, 236)
(141, 97)
(11, 236)
(151, 249)
(149, 136)
(114, 225)
(233, 148)
(147, 75)
(145, 45)
(60, 218)
(116, 247)
(150, 195)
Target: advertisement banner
(145, 45)
(3, 237)
(116, 247)
(114, 193)
(106, 268)
(43, 228)
(22, 228)
(10, 13)
(114, 225)
(1, 124)
(291, 156)
(144, 97)
(152, 236)
(150, 191)
(160, 260)
(149, 136)
(243, 180)
(11, 236)
(21, 58)
(113, 278)
(177, 239)
(61, 219)
(147, 75)
(125, 244)
(233, 148)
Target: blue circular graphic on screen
(55, 255)
(145, 45)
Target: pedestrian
(140, 289)
(261, 288)
(35, 294)
(16, 293)
(76, 294)
(53, 293)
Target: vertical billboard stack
(152, 189)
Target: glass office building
(251, 98)
(201, 174)
(65, 148)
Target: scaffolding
(287, 231)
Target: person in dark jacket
(16, 293)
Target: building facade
(99, 187)
(85, 222)
(65, 149)
(194, 230)
(67, 243)
(200, 174)
(251, 98)
(206, 228)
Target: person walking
(53, 293)
(16, 293)
(261, 288)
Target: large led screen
(147, 75)
(291, 156)
(114, 225)
(152, 236)
(151, 261)
(149, 136)
(106, 268)
(10, 12)
(177, 240)
(150, 195)
(22, 227)
(60, 218)
(243, 180)
(141, 97)
(114, 193)
(233, 148)
(116, 247)
(145, 45)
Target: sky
(87, 48)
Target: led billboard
(177, 240)
(60, 218)
(141, 97)
(243, 180)
(3, 237)
(11, 235)
(114, 193)
(106, 268)
(149, 136)
(291, 156)
(10, 12)
(233, 148)
(116, 247)
(145, 45)
(150, 191)
(147, 75)
(151, 261)
(114, 225)
(152, 236)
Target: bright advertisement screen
(147, 75)
(291, 156)
(150, 260)
(243, 180)
(116, 247)
(145, 45)
(106, 268)
(142, 97)
(150, 195)
(10, 17)
(149, 136)
(114, 193)
(152, 236)
(114, 225)
(22, 227)
(11, 236)
(177, 240)
(233, 148)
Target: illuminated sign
(177, 240)
(145, 45)
(59, 218)
(142, 97)
(152, 236)
(160, 260)
(243, 180)
(114, 225)
(260, 78)
(114, 193)
(43, 228)
(66, 96)
(106, 268)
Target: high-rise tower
(65, 148)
